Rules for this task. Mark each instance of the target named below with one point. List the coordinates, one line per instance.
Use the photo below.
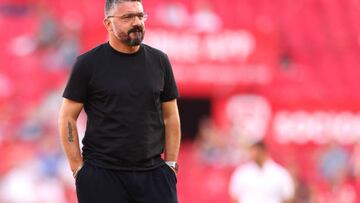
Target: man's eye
(128, 16)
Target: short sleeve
(77, 86)
(235, 184)
(287, 188)
(170, 90)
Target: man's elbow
(288, 201)
(233, 200)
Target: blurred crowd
(334, 168)
(37, 58)
(33, 168)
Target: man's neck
(120, 47)
(261, 163)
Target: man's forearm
(172, 137)
(70, 142)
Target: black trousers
(99, 185)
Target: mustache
(136, 29)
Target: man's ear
(107, 24)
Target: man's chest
(119, 77)
(139, 84)
(261, 182)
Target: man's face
(126, 23)
(257, 155)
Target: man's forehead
(128, 7)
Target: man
(261, 180)
(128, 92)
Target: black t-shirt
(122, 96)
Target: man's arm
(172, 130)
(288, 187)
(234, 200)
(289, 199)
(69, 113)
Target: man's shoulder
(88, 55)
(154, 51)
(245, 168)
(277, 168)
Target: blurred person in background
(355, 167)
(210, 144)
(49, 31)
(304, 191)
(334, 169)
(204, 19)
(261, 180)
(333, 161)
(129, 94)
(177, 14)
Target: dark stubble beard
(133, 37)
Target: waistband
(145, 165)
